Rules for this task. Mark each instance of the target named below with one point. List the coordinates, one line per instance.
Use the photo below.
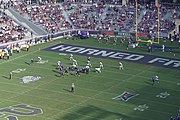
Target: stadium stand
(98, 15)
(10, 30)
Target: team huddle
(86, 69)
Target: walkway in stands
(24, 22)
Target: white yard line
(92, 97)
(116, 72)
(80, 96)
(79, 104)
(98, 75)
(97, 63)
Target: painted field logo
(28, 79)
(125, 96)
(116, 55)
(163, 95)
(19, 70)
(12, 112)
(141, 107)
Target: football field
(37, 91)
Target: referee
(10, 75)
(72, 87)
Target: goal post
(147, 39)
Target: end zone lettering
(166, 62)
(12, 112)
(117, 55)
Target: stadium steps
(168, 15)
(103, 16)
(66, 16)
(141, 15)
(24, 22)
(139, 20)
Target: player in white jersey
(121, 66)
(89, 63)
(71, 57)
(98, 70)
(72, 87)
(101, 65)
(39, 59)
(154, 79)
(58, 63)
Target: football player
(71, 57)
(98, 70)
(89, 63)
(154, 79)
(121, 66)
(39, 59)
(72, 87)
(101, 65)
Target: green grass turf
(93, 95)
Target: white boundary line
(51, 81)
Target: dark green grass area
(92, 99)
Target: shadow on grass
(149, 82)
(55, 71)
(91, 112)
(67, 90)
(27, 63)
(54, 65)
(5, 77)
(57, 75)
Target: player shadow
(149, 82)
(58, 75)
(54, 65)
(67, 90)
(73, 74)
(27, 63)
(5, 77)
(55, 71)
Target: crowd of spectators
(106, 15)
(120, 18)
(149, 22)
(10, 30)
(98, 16)
(48, 16)
(115, 2)
(86, 16)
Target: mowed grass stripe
(170, 74)
(49, 107)
(115, 72)
(90, 80)
(106, 89)
(159, 70)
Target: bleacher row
(95, 16)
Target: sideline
(18, 57)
